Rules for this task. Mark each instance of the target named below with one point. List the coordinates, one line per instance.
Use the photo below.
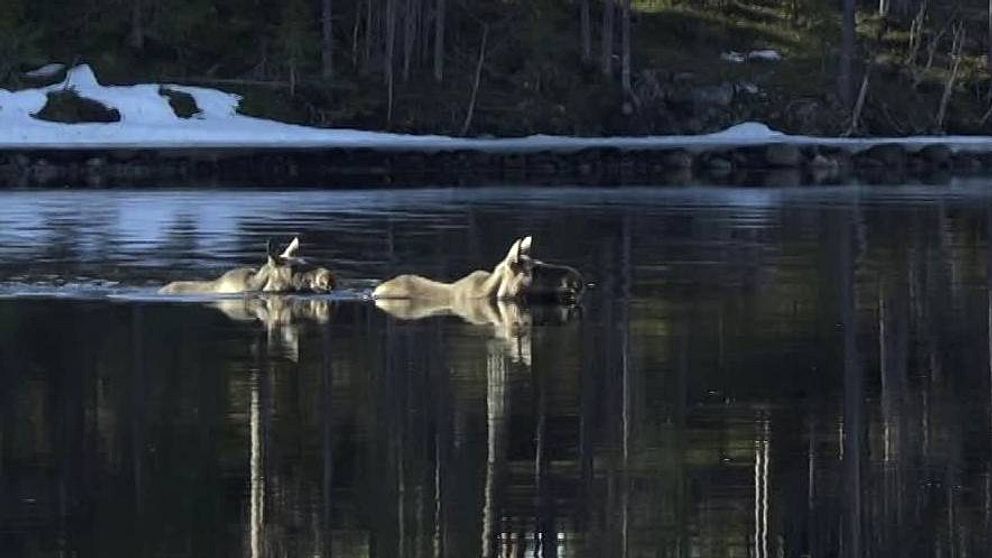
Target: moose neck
(259, 280)
(492, 283)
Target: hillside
(695, 66)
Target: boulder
(96, 162)
(783, 155)
(44, 172)
(675, 159)
(937, 156)
(675, 177)
(967, 162)
(717, 163)
(779, 155)
(542, 163)
(21, 161)
(822, 162)
(887, 155)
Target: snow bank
(748, 131)
(765, 55)
(147, 120)
(46, 71)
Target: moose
(518, 277)
(282, 272)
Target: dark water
(757, 372)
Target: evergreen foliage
(536, 75)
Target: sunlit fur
(281, 273)
(517, 277)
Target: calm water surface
(756, 372)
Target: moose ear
(270, 253)
(525, 245)
(513, 256)
(292, 248)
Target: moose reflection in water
(787, 379)
(281, 273)
(493, 299)
(282, 316)
(511, 321)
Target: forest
(513, 67)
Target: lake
(753, 372)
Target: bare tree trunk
(478, 79)
(354, 34)
(916, 29)
(919, 72)
(439, 41)
(873, 49)
(586, 26)
(883, 8)
(326, 39)
(368, 37)
(846, 53)
(956, 51)
(607, 60)
(625, 57)
(424, 32)
(988, 51)
(388, 62)
(859, 106)
(409, 36)
(137, 37)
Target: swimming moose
(282, 273)
(519, 277)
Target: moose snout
(572, 284)
(327, 282)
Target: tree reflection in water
(820, 385)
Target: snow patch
(764, 55)
(137, 103)
(46, 71)
(748, 87)
(748, 131)
(147, 120)
(18, 107)
(212, 103)
(733, 57)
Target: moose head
(522, 277)
(286, 272)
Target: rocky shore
(773, 163)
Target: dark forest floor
(536, 81)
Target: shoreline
(779, 160)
